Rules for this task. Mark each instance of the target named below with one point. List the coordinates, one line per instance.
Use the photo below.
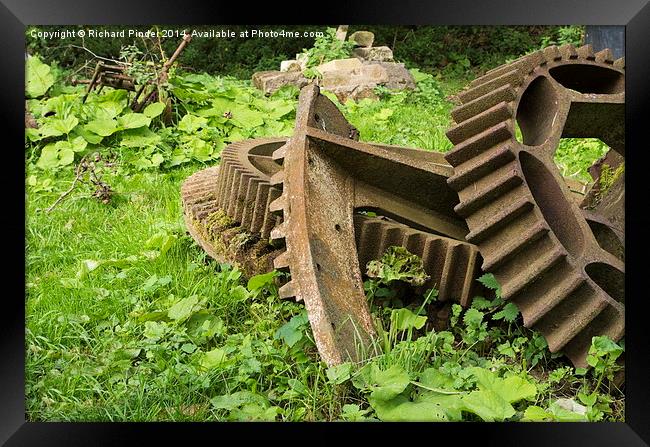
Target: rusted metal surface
(534, 238)
(116, 76)
(243, 193)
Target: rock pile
(355, 77)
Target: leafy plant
(326, 48)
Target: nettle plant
(326, 48)
(485, 367)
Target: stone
(270, 81)
(380, 54)
(342, 65)
(290, 65)
(362, 38)
(397, 75)
(341, 32)
(301, 58)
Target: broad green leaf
(419, 76)
(155, 330)
(231, 401)
(451, 404)
(246, 118)
(386, 384)
(39, 77)
(401, 409)
(403, 319)
(78, 144)
(213, 359)
(473, 317)
(140, 137)
(103, 127)
(292, 332)
(54, 127)
(255, 412)
(434, 378)
(537, 414)
(157, 159)
(563, 415)
(182, 310)
(258, 281)
(90, 137)
(105, 107)
(338, 374)
(488, 405)
(66, 157)
(278, 109)
(511, 389)
(133, 121)
(352, 413)
(200, 149)
(49, 158)
(191, 123)
(604, 345)
(489, 281)
(154, 109)
(162, 241)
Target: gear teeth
(569, 318)
(497, 184)
(270, 220)
(477, 144)
(502, 94)
(524, 64)
(259, 214)
(512, 77)
(282, 261)
(610, 321)
(289, 290)
(552, 54)
(451, 265)
(534, 307)
(605, 56)
(512, 247)
(277, 179)
(481, 122)
(480, 166)
(586, 52)
(279, 233)
(532, 273)
(279, 205)
(568, 52)
(499, 220)
(252, 203)
(240, 197)
(280, 153)
(548, 284)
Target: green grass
(81, 338)
(127, 320)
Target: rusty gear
(451, 264)
(532, 236)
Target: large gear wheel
(243, 193)
(531, 234)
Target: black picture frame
(15, 15)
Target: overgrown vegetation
(453, 50)
(128, 320)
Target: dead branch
(79, 171)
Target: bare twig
(99, 57)
(79, 171)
